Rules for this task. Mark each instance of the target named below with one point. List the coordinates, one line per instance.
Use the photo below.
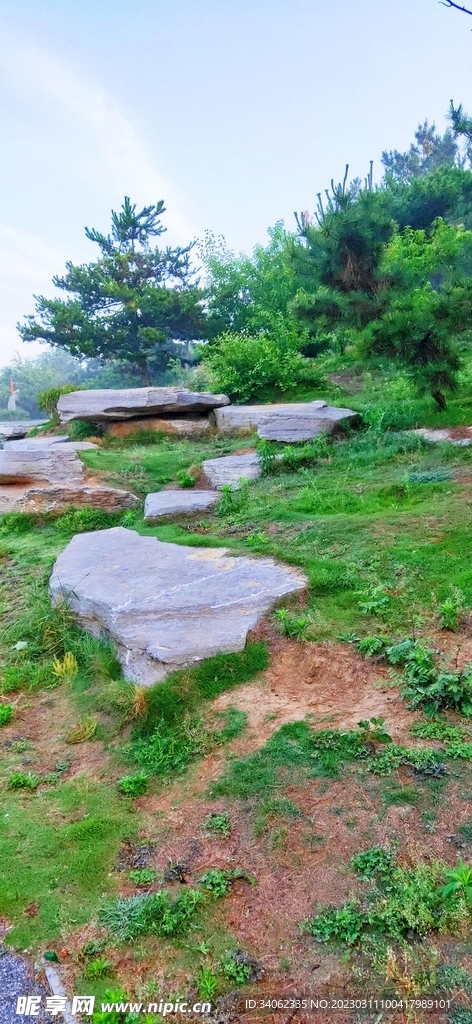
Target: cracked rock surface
(166, 605)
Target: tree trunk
(143, 368)
(440, 399)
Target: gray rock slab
(437, 435)
(296, 421)
(35, 442)
(231, 469)
(174, 503)
(54, 464)
(58, 498)
(165, 605)
(110, 404)
(16, 428)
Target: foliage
(218, 824)
(84, 730)
(185, 479)
(438, 729)
(244, 365)
(207, 984)
(65, 669)
(292, 626)
(451, 611)
(6, 713)
(234, 969)
(24, 780)
(154, 913)
(142, 876)
(134, 785)
(458, 882)
(429, 151)
(129, 303)
(84, 520)
(401, 900)
(98, 968)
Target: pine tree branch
(449, 3)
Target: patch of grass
(6, 713)
(218, 824)
(24, 780)
(57, 849)
(134, 785)
(155, 913)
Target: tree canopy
(130, 303)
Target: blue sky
(236, 112)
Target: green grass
(57, 848)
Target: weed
(370, 645)
(98, 968)
(378, 861)
(185, 479)
(373, 730)
(123, 698)
(155, 913)
(374, 602)
(451, 611)
(87, 519)
(439, 729)
(6, 713)
(66, 669)
(142, 876)
(234, 969)
(217, 882)
(218, 824)
(134, 785)
(458, 882)
(24, 780)
(84, 730)
(267, 456)
(290, 625)
(207, 984)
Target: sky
(235, 112)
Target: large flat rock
(165, 605)
(456, 435)
(41, 443)
(178, 426)
(57, 498)
(54, 464)
(16, 428)
(229, 470)
(135, 403)
(175, 503)
(296, 421)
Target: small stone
(231, 469)
(167, 503)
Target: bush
(6, 713)
(156, 913)
(48, 399)
(10, 415)
(80, 430)
(242, 365)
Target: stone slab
(55, 464)
(296, 421)
(111, 404)
(443, 434)
(229, 470)
(182, 426)
(16, 428)
(58, 499)
(41, 443)
(169, 503)
(165, 605)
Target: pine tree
(130, 303)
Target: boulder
(134, 403)
(58, 499)
(297, 421)
(183, 426)
(231, 469)
(175, 503)
(15, 428)
(165, 605)
(54, 464)
(456, 435)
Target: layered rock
(183, 426)
(135, 403)
(229, 470)
(297, 421)
(165, 605)
(170, 503)
(53, 464)
(59, 499)
(16, 428)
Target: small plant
(24, 780)
(451, 611)
(371, 645)
(373, 730)
(142, 876)
(374, 602)
(458, 883)
(134, 785)
(98, 968)
(344, 924)
(84, 730)
(125, 699)
(291, 626)
(217, 882)
(152, 913)
(207, 984)
(235, 969)
(227, 502)
(378, 861)
(6, 713)
(439, 730)
(185, 479)
(218, 824)
(66, 669)
(267, 458)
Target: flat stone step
(166, 605)
(129, 403)
(291, 421)
(231, 469)
(174, 503)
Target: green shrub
(80, 430)
(24, 780)
(142, 876)
(87, 519)
(218, 824)
(207, 984)
(185, 479)
(242, 366)
(6, 713)
(235, 969)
